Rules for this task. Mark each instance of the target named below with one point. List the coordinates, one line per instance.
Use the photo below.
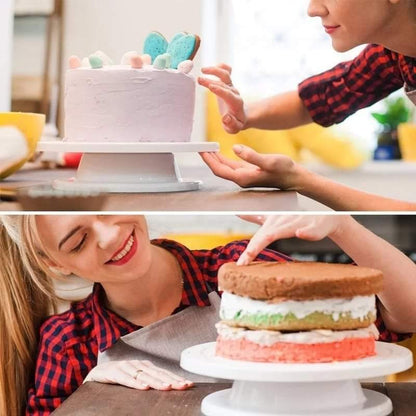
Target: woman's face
(353, 22)
(100, 248)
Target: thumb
(249, 155)
(231, 124)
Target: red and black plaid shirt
(70, 341)
(375, 73)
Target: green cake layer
(289, 322)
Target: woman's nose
(317, 8)
(106, 232)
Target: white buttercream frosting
(122, 104)
(264, 337)
(359, 307)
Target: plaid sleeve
(385, 334)
(332, 96)
(56, 378)
(231, 252)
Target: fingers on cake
(297, 312)
(148, 97)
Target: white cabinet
(33, 7)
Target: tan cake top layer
(299, 280)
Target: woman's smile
(104, 241)
(125, 253)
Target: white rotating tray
(128, 167)
(321, 389)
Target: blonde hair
(27, 298)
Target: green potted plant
(396, 111)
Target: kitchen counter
(108, 400)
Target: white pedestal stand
(265, 389)
(128, 167)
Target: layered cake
(148, 97)
(297, 312)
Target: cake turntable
(127, 167)
(322, 389)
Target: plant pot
(386, 152)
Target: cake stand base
(292, 404)
(320, 389)
(127, 167)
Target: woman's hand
(140, 375)
(276, 227)
(255, 169)
(230, 103)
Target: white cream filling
(125, 250)
(268, 338)
(358, 307)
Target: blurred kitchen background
(271, 46)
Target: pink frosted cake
(297, 312)
(149, 97)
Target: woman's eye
(80, 245)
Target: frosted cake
(148, 97)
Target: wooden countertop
(215, 195)
(108, 400)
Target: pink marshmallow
(136, 62)
(74, 62)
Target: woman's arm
(279, 171)
(281, 111)
(327, 98)
(343, 198)
(55, 378)
(398, 307)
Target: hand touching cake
(148, 97)
(297, 312)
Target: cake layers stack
(297, 312)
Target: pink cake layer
(285, 352)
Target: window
(28, 7)
(274, 45)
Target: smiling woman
(151, 299)
(125, 332)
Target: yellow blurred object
(322, 142)
(31, 125)
(263, 141)
(407, 141)
(327, 146)
(206, 241)
(409, 375)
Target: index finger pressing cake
(297, 312)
